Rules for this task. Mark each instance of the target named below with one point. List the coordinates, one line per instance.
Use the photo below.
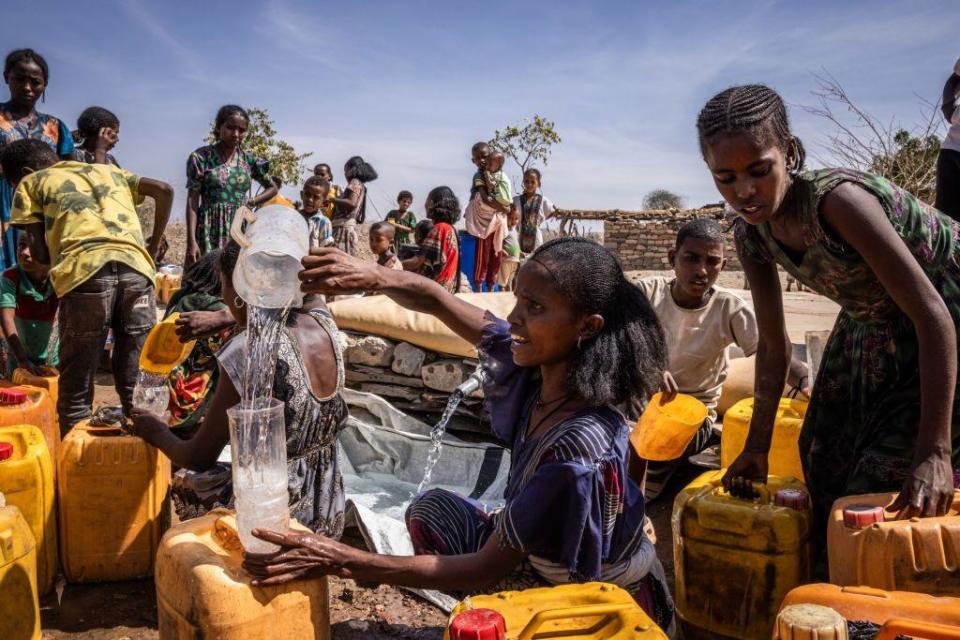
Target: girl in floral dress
(884, 414)
(219, 177)
(26, 74)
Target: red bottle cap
(796, 499)
(861, 516)
(11, 397)
(478, 624)
(6, 451)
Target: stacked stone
(415, 380)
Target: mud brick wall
(641, 240)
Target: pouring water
(469, 385)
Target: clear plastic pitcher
(258, 444)
(274, 242)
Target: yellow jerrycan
(203, 592)
(868, 546)
(19, 604)
(20, 404)
(26, 481)
(49, 380)
(664, 430)
(114, 504)
(736, 559)
(572, 611)
(784, 458)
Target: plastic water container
(736, 559)
(19, 605)
(162, 350)
(203, 592)
(866, 546)
(22, 404)
(114, 507)
(50, 380)
(258, 447)
(784, 458)
(591, 610)
(26, 481)
(275, 240)
(876, 605)
(664, 430)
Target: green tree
(527, 142)
(262, 141)
(662, 199)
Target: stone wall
(641, 239)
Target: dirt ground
(128, 610)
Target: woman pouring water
(308, 380)
(581, 340)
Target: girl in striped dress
(580, 340)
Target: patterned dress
(39, 126)
(223, 188)
(863, 420)
(570, 505)
(312, 423)
(345, 219)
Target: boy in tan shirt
(700, 322)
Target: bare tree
(907, 157)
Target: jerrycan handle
(762, 497)
(917, 629)
(243, 214)
(572, 612)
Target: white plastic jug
(274, 242)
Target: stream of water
(436, 439)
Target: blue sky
(411, 85)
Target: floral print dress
(223, 187)
(864, 416)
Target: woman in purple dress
(580, 341)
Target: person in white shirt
(948, 162)
(534, 209)
(700, 321)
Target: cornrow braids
(17, 56)
(626, 360)
(755, 109)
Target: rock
(371, 350)
(360, 373)
(390, 391)
(443, 375)
(407, 359)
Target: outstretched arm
(162, 193)
(309, 555)
(859, 219)
(330, 271)
(773, 358)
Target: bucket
(274, 242)
(664, 430)
(258, 446)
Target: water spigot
(473, 382)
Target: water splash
(436, 439)
(264, 327)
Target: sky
(411, 85)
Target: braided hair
(203, 276)
(17, 56)
(755, 109)
(625, 361)
(443, 206)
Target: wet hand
(330, 271)
(668, 388)
(928, 492)
(749, 467)
(301, 555)
(198, 324)
(147, 425)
